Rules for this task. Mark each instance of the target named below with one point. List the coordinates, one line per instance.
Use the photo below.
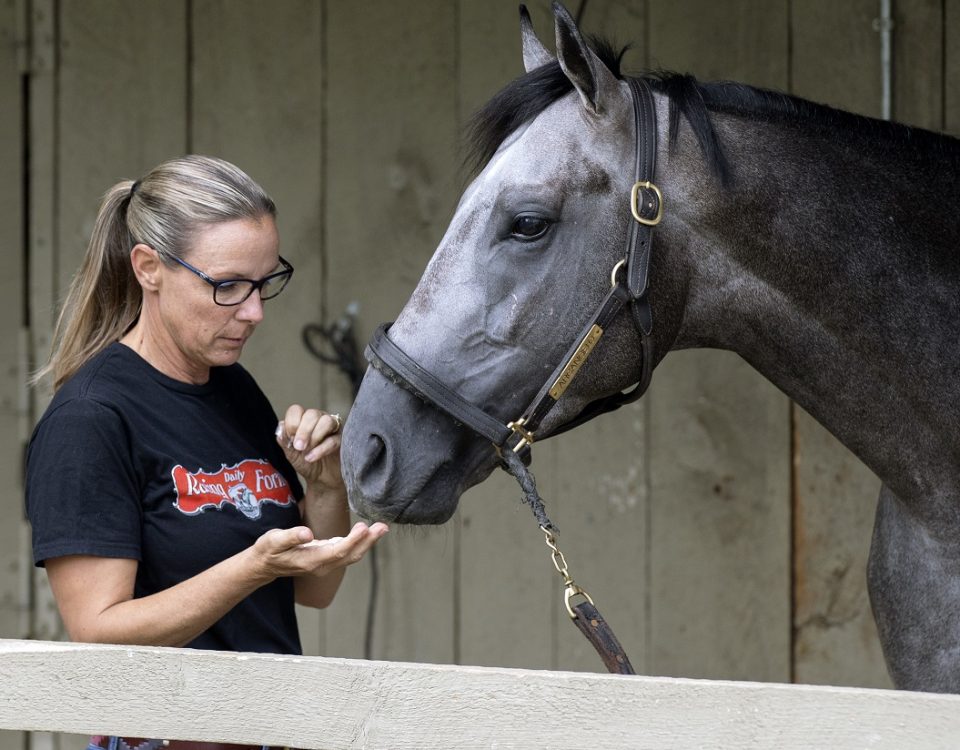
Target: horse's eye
(529, 227)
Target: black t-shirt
(127, 462)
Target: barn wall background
(723, 532)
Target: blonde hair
(163, 210)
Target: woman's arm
(95, 594)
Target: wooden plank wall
(14, 580)
(723, 533)
(390, 149)
(12, 235)
(719, 466)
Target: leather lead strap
(591, 623)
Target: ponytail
(104, 297)
(162, 210)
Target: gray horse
(822, 247)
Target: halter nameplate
(576, 362)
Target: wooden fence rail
(328, 704)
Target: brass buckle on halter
(526, 437)
(635, 208)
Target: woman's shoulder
(108, 385)
(107, 374)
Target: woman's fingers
(303, 436)
(291, 420)
(351, 548)
(294, 551)
(313, 432)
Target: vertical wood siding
(719, 463)
(256, 97)
(723, 533)
(14, 585)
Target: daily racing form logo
(245, 485)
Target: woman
(161, 490)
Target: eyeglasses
(230, 292)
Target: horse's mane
(530, 94)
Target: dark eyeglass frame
(255, 284)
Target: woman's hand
(314, 552)
(310, 438)
(295, 552)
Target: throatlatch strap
(640, 241)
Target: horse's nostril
(374, 459)
(378, 449)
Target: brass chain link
(571, 589)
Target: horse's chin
(431, 502)
(419, 511)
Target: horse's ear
(589, 75)
(535, 54)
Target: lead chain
(571, 588)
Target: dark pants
(102, 742)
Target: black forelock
(522, 100)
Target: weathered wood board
(336, 704)
(40, 288)
(15, 564)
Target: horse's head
(526, 259)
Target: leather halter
(646, 208)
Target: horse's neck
(816, 273)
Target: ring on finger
(338, 422)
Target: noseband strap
(629, 288)
(393, 362)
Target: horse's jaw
(404, 461)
